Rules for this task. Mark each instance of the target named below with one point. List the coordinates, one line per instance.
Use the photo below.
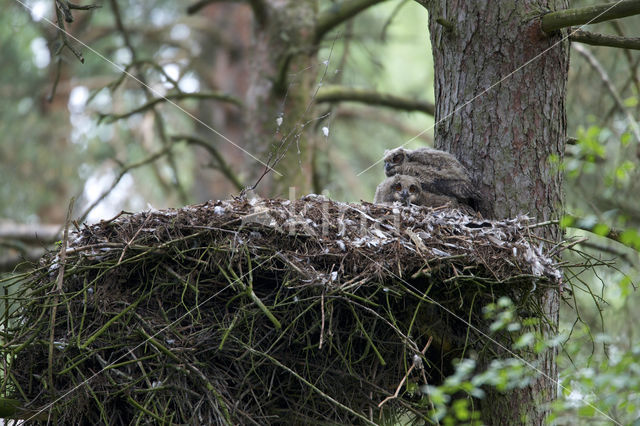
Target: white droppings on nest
(259, 215)
(440, 253)
(495, 240)
(219, 210)
(536, 267)
(378, 233)
(340, 244)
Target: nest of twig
(259, 311)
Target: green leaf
(524, 341)
(631, 101)
(600, 229)
(566, 221)
(587, 411)
(631, 238)
(625, 138)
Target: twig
(406, 376)
(61, 262)
(123, 172)
(124, 249)
(62, 34)
(322, 320)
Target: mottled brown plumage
(408, 190)
(439, 173)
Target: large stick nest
(260, 311)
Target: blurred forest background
(71, 129)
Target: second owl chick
(438, 172)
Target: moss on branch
(589, 15)
(596, 39)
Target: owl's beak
(387, 167)
(404, 194)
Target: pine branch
(340, 12)
(589, 15)
(596, 39)
(370, 97)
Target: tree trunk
(280, 87)
(500, 93)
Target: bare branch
(592, 227)
(150, 159)
(596, 39)
(593, 61)
(62, 35)
(620, 254)
(173, 96)
(371, 97)
(223, 166)
(589, 15)
(339, 13)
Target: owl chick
(408, 190)
(438, 172)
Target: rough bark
(500, 93)
(283, 46)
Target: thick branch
(29, 233)
(596, 39)
(339, 13)
(370, 97)
(589, 15)
(173, 96)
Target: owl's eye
(397, 158)
(413, 189)
(397, 187)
